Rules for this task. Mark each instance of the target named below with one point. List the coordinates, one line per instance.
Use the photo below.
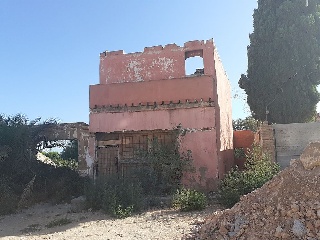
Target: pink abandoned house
(147, 95)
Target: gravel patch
(154, 224)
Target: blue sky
(50, 49)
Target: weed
(123, 212)
(119, 197)
(189, 200)
(258, 170)
(163, 168)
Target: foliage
(23, 179)
(161, 174)
(164, 166)
(58, 222)
(8, 198)
(54, 156)
(67, 158)
(258, 170)
(94, 192)
(283, 61)
(239, 153)
(70, 152)
(123, 212)
(249, 123)
(57, 184)
(189, 200)
(122, 194)
(231, 187)
(119, 197)
(60, 161)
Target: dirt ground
(157, 224)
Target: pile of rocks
(287, 207)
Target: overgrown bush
(231, 188)
(8, 198)
(59, 184)
(159, 174)
(189, 200)
(258, 170)
(119, 197)
(59, 161)
(23, 179)
(122, 212)
(239, 153)
(163, 168)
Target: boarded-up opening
(119, 153)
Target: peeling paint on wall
(134, 66)
(166, 63)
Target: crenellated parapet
(188, 46)
(154, 63)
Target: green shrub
(119, 197)
(189, 200)
(59, 161)
(58, 185)
(23, 179)
(122, 212)
(94, 192)
(8, 198)
(239, 153)
(164, 167)
(258, 170)
(123, 192)
(231, 187)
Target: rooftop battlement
(153, 49)
(155, 63)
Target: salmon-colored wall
(191, 88)
(154, 63)
(193, 118)
(204, 153)
(223, 117)
(225, 105)
(243, 138)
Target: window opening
(59, 153)
(194, 63)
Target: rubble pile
(287, 207)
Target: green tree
(70, 151)
(283, 61)
(67, 158)
(54, 156)
(249, 123)
(24, 179)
